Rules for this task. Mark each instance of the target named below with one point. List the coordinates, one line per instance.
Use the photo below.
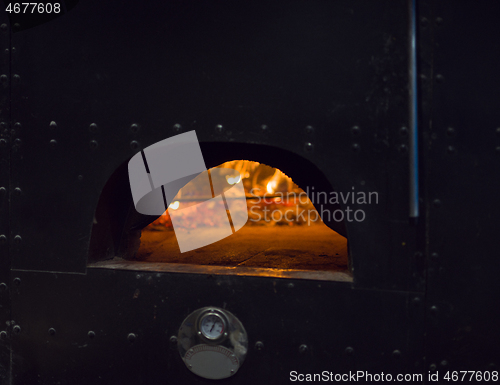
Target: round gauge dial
(212, 326)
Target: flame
(174, 205)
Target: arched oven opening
(284, 236)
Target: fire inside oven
(283, 237)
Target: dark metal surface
(318, 89)
(462, 152)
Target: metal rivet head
(432, 367)
(451, 150)
(497, 149)
(17, 26)
(2, 191)
(439, 20)
(434, 309)
(264, 128)
(424, 22)
(3, 287)
(355, 147)
(17, 126)
(232, 371)
(402, 149)
(17, 281)
(349, 351)
(290, 285)
(3, 27)
(131, 337)
(403, 131)
(396, 354)
(53, 125)
(308, 147)
(17, 239)
(93, 127)
(450, 131)
(16, 329)
(434, 255)
(3, 143)
(52, 331)
(355, 130)
(93, 144)
(17, 191)
(219, 128)
(177, 127)
(173, 339)
(3, 238)
(444, 363)
(436, 203)
(416, 301)
(134, 128)
(91, 334)
(439, 78)
(17, 142)
(3, 79)
(3, 335)
(16, 78)
(303, 348)
(134, 145)
(309, 129)
(259, 345)
(53, 143)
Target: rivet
(17, 26)
(498, 131)
(52, 331)
(91, 334)
(17, 142)
(309, 129)
(308, 147)
(423, 78)
(355, 130)
(93, 127)
(17, 78)
(138, 276)
(219, 128)
(355, 147)
(131, 337)
(2, 190)
(3, 142)
(396, 354)
(451, 150)
(177, 127)
(17, 281)
(439, 78)
(3, 79)
(93, 144)
(173, 339)
(403, 131)
(402, 149)
(444, 363)
(349, 351)
(497, 149)
(434, 309)
(264, 128)
(432, 367)
(134, 145)
(3, 125)
(436, 203)
(290, 285)
(53, 143)
(439, 20)
(424, 22)
(303, 348)
(3, 238)
(3, 335)
(3, 286)
(3, 27)
(80, 177)
(199, 333)
(17, 191)
(225, 334)
(450, 131)
(190, 366)
(53, 125)
(17, 239)
(259, 345)
(232, 371)
(416, 301)
(17, 329)
(134, 128)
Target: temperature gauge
(212, 326)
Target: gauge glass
(212, 326)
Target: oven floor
(314, 247)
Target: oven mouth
(284, 236)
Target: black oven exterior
(324, 84)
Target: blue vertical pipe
(413, 104)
